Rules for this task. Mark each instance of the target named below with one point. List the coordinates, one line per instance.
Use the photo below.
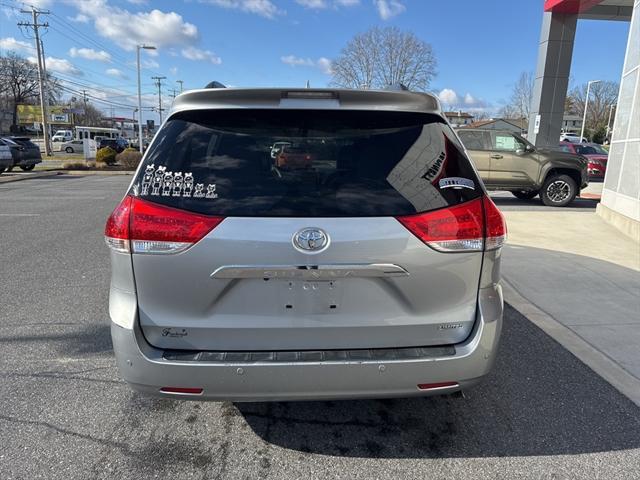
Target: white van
(62, 136)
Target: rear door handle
(496, 156)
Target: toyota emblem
(311, 240)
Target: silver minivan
(359, 258)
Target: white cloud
(264, 8)
(313, 3)
(128, 29)
(321, 4)
(90, 54)
(173, 71)
(60, 65)
(448, 97)
(469, 99)
(193, 53)
(138, 2)
(149, 63)
(114, 72)
(13, 45)
(297, 61)
(389, 8)
(80, 18)
(324, 64)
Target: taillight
(453, 229)
(139, 226)
(495, 225)
(116, 232)
(470, 226)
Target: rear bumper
(146, 370)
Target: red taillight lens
(453, 229)
(154, 228)
(495, 225)
(470, 226)
(116, 231)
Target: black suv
(118, 144)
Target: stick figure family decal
(160, 182)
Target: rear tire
(558, 191)
(28, 168)
(68, 150)
(525, 195)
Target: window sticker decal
(456, 183)
(159, 182)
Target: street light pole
(586, 105)
(611, 107)
(138, 47)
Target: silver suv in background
(359, 257)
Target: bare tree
(381, 57)
(602, 95)
(92, 117)
(519, 105)
(19, 83)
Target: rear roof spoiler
(395, 99)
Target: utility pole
(180, 82)
(84, 98)
(159, 85)
(43, 103)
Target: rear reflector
(431, 386)
(140, 226)
(182, 390)
(468, 227)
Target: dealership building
(620, 204)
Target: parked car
(506, 161)
(594, 153)
(373, 272)
(25, 153)
(6, 159)
(74, 146)
(62, 136)
(118, 144)
(572, 137)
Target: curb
(27, 176)
(600, 363)
(94, 172)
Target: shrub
(129, 158)
(75, 165)
(106, 155)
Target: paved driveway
(64, 413)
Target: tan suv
(506, 161)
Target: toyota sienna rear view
(305, 244)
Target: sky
(481, 46)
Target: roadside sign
(89, 148)
(536, 125)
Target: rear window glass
(292, 163)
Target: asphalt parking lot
(64, 413)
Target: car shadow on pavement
(539, 400)
(535, 203)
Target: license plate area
(310, 296)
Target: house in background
(571, 123)
(459, 118)
(515, 125)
